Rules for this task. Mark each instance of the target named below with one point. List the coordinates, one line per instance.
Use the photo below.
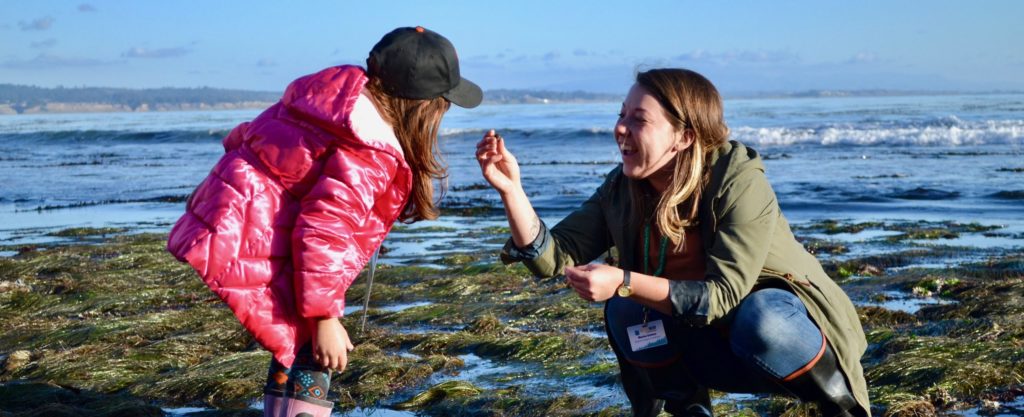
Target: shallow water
(905, 302)
(393, 308)
(934, 157)
(1013, 408)
(894, 159)
(355, 412)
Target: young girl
(711, 290)
(307, 191)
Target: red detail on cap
(420, 29)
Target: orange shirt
(687, 265)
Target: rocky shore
(112, 325)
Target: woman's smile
(627, 150)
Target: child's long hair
(416, 124)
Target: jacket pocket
(792, 279)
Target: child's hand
(331, 344)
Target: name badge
(646, 336)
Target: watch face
(625, 291)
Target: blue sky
(742, 46)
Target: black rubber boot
(698, 404)
(824, 384)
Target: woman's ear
(684, 140)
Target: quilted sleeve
(334, 233)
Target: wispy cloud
(551, 56)
(739, 57)
(44, 44)
(157, 53)
(863, 58)
(266, 63)
(42, 23)
(86, 8)
(46, 61)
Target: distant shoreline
(64, 108)
(18, 99)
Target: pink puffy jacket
(294, 209)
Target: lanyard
(647, 255)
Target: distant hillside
(503, 96)
(858, 93)
(20, 99)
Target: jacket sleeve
(747, 213)
(330, 237)
(579, 238)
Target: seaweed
(122, 323)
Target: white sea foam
(988, 132)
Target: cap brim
(466, 94)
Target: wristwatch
(625, 290)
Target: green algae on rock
(952, 354)
(87, 231)
(123, 318)
(436, 393)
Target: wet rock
(436, 393)
(989, 406)
(878, 316)
(487, 324)
(16, 360)
(869, 270)
(44, 400)
(14, 286)
(916, 407)
(922, 193)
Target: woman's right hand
(498, 165)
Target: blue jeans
(770, 337)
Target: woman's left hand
(594, 282)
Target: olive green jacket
(747, 241)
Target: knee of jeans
(758, 320)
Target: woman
(306, 192)
(711, 289)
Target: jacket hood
(732, 159)
(326, 98)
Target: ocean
(915, 158)
(933, 181)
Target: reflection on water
(901, 301)
(1013, 408)
(393, 308)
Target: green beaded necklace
(647, 255)
(647, 252)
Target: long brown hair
(416, 124)
(692, 103)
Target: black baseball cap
(420, 64)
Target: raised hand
(498, 165)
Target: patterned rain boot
(299, 391)
(275, 406)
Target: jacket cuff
(690, 302)
(511, 253)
